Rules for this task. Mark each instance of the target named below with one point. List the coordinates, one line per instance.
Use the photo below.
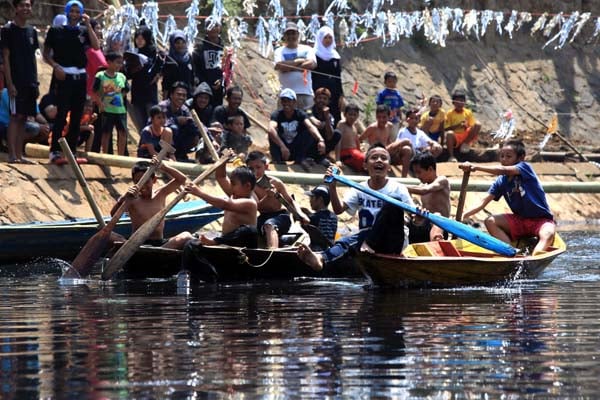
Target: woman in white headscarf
(328, 72)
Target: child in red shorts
(522, 190)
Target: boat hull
(64, 239)
(472, 267)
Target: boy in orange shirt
(461, 127)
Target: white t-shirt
(295, 79)
(418, 141)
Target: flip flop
(28, 161)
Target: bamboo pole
(303, 178)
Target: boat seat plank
(448, 249)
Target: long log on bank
(300, 178)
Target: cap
(321, 191)
(291, 26)
(202, 88)
(287, 94)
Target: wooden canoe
(231, 264)
(454, 263)
(64, 239)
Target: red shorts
(524, 227)
(354, 158)
(462, 137)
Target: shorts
(525, 227)
(462, 137)
(242, 236)
(108, 121)
(354, 158)
(25, 102)
(435, 136)
(420, 233)
(83, 137)
(156, 242)
(280, 220)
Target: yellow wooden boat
(455, 263)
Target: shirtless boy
(239, 221)
(348, 149)
(434, 190)
(274, 219)
(147, 202)
(379, 131)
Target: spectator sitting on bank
(461, 126)
(379, 131)
(432, 121)
(235, 138)
(234, 96)
(411, 140)
(321, 117)
(391, 97)
(152, 134)
(294, 61)
(348, 150)
(207, 58)
(201, 103)
(179, 119)
(291, 134)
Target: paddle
(79, 174)
(142, 234)
(95, 246)
(463, 194)
(461, 230)
(315, 234)
(207, 142)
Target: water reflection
(301, 339)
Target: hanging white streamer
(149, 13)
(380, 23)
(524, 17)
(499, 18)
(392, 28)
(340, 5)
(249, 6)
(579, 25)
(564, 32)
(342, 30)
(471, 23)
(512, 21)
(191, 30)
(486, 18)
(300, 6)
(313, 27)
(170, 26)
(261, 35)
(596, 28)
(277, 8)
(458, 20)
(376, 6)
(507, 126)
(556, 20)
(237, 31)
(302, 30)
(540, 23)
(329, 19)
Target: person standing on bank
(328, 73)
(64, 50)
(19, 43)
(207, 59)
(294, 61)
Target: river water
(307, 338)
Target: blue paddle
(458, 229)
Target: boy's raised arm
(177, 178)
(510, 170)
(439, 184)
(222, 179)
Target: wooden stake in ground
(142, 234)
(96, 245)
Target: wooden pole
(463, 194)
(205, 138)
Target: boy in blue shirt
(391, 97)
(522, 190)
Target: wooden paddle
(207, 142)
(79, 174)
(96, 245)
(142, 234)
(461, 230)
(463, 194)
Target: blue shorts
(280, 220)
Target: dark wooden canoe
(454, 263)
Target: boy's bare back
(436, 198)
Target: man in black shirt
(19, 43)
(64, 50)
(207, 59)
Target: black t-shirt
(68, 44)
(22, 44)
(221, 115)
(289, 128)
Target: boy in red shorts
(522, 190)
(461, 127)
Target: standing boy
(110, 87)
(147, 202)
(274, 220)
(348, 149)
(381, 227)
(434, 190)
(522, 190)
(410, 141)
(391, 97)
(64, 50)
(460, 126)
(19, 43)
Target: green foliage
(369, 111)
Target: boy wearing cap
(292, 61)
(322, 218)
(207, 57)
(64, 51)
(291, 134)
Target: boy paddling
(522, 190)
